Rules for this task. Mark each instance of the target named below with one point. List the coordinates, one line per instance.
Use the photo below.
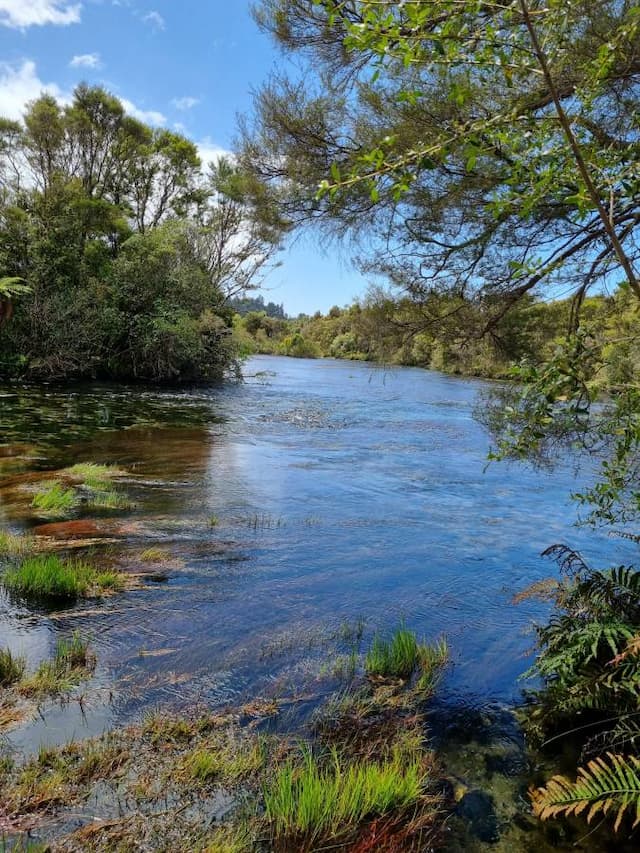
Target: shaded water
(339, 492)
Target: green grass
(11, 668)
(55, 499)
(72, 662)
(433, 659)
(47, 575)
(402, 655)
(108, 499)
(394, 658)
(13, 545)
(232, 759)
(154, 555)
(93, 475)
(310, 801)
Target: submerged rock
(477, 808)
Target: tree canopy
(118, 251)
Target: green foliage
(311, 801)
(14, 545)
(11, 668)
(607, 785)
(51, 576)
(72, 662)
(55, 499)
(401, 656)
(589, 663)
(121, 250)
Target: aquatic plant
(230, 759)
(54, 499)
(14, 545)
(72, 662)
(402, 655)
(11, 667)
(153, 555)
(93, 475)
(312, 800)
(47, 575)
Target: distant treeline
(452, 335)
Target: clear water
(342, 491)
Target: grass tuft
(309, 801)
(11, 668)
(72, 662)
(394, 658)
(232, 760)
(13, 545)
(49, 576)
(55, 499)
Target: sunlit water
(341, 492)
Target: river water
(312, 495)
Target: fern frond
(570, 562)
(631, 651)
(603, 786)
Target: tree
(497, 165)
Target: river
(314, 495)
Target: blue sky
(187, 65)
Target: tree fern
(605, 785)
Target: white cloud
(154, 19)
(86, 60)
(19, 14)
(147, 116)
(186, 103)
(209, 152)
(20, 84)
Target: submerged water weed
(11, 667)
(49, 576)
(55, 499)
(313, 801)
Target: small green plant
(94, 476)
(214, 521)
(13, 545)
(394, 658)
(55, 499)
(11, 668)
(108, 499)
(47, 575)
(316, 802)
(72, 662)
(153, 555)
(231, 759)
